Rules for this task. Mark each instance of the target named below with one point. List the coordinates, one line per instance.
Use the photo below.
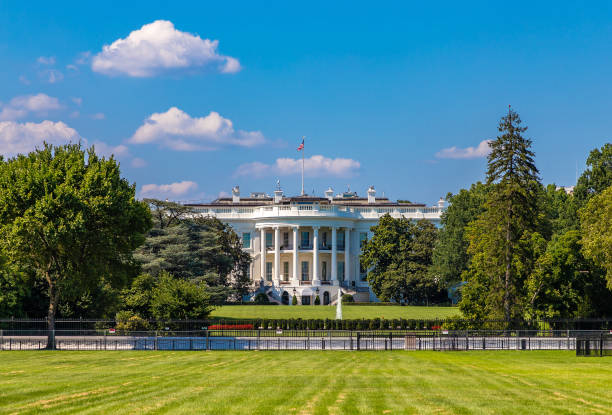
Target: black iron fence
(556, 326)
(591, 344)
(278, 339)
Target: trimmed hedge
(329, 324)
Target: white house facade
(309, 246)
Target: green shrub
(128, 321)
(317, 300)
(294, 300)
(347, 298)
(261, 298)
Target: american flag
(301, 147)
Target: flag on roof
(301, 147)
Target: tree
(596, 222)
(598, 175)
(450, 256)
(564, 284)
(165, 298)
(67, 216)
(399, 255)
(194, 248)
(500, 238)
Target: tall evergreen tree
(511, 216)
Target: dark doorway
(326, 298)
(285, 298)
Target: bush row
(329, 324)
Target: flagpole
(303, 151)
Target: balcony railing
(305, 282)
(326, 282)
(414, 212)
(305, 246)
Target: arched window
(285, 298)
(325, 298)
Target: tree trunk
(53, 298)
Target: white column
(295, 256)
(315, 256)
(277, 255)
(347, 255)
(262, 241)
(334, 261)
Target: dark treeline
(516, 250)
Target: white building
(308, 246)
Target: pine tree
(501, 239)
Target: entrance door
(285, 298)
(326, 298)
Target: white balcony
(315, 210)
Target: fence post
(391, 339)
(258, 337)
(207, 343)
(2, 340)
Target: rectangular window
(305, 271)
(305, 241)
(268, 271)
(269, 243)
(363, 238)
(340, 240)
(286, 240)
(305, 300)
(248, 272)
(324, 271)
(324, 239)
(285, 271)
(341, 270)
(246, 240)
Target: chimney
(329, 194)
(278, 193)
(371, 195)
(441, 203)
(236, 194)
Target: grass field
(323, 311)
(506, 382)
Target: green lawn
(323, 311)
(505, 382)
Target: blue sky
(387, 94)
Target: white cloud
(24, 80)
(75, 114)
(22, 105)
(46, 60)
(77, 100)
(137, 162)
(314, 166)
(98, 116)
(22, 138)
(83, 58)
(158, 47)
(51, 76)
(177, 130)
(482, 150)
(168, 190)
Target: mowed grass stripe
(301, 382)
(245, 312)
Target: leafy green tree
(14, 289)
(399, 256)
(450, 256)
(174, 298)
(165, 298)
(596, 222)
(501, 239)
(564, 284)
(67, 216)
(598, 175)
